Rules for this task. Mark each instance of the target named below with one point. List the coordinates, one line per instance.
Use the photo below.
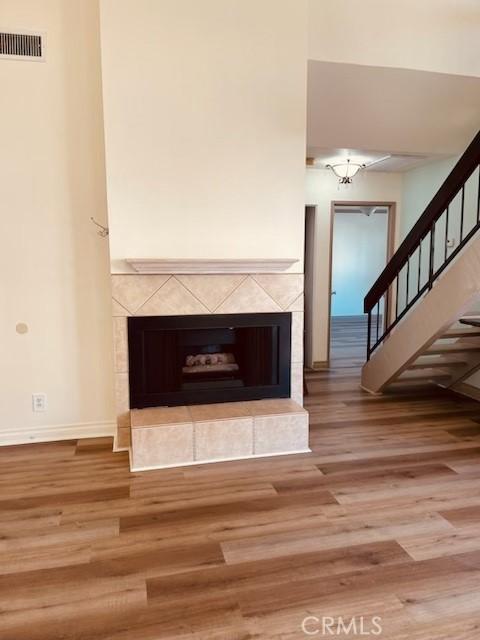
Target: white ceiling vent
(22, 45)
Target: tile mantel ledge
(206, 265)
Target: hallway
(348, 341)
(381, 519)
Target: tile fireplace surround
(183, 294)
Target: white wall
(431, 35)
(54, 268)
(419, 187)
(205, 127)
(321, 189)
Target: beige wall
(205, 127)
(321, 189)
(54, 268)
(432, 35)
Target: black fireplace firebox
(181, 360)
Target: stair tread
(456, 347)
(473, 321)
(460, 332)
(427, 361)
(422, 374)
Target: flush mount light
(346, 170)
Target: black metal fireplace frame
(137, 325)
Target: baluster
(408, 281)
(396, 298)
(369, 334)
(386, 310)
(461, 213)
(432, 255)
(378, 317)
(419, 265)
(478, 197)
(446, 231)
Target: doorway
(362, 242)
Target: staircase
(424, 309)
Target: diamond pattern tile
(172, 299)
(298, 304)
(132, 291)
(249, 297)
(283, 288)
(211, 290)
(117, 310)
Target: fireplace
(203, 359)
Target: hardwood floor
(382, 519)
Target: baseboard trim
(58, 432)
(321, 364)
(465, 389)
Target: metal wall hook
(102, 231)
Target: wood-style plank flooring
(382, 519)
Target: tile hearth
(176, 436)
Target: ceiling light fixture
(345, 171)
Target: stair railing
(427, 250)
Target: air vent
(21, 45)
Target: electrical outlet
(39, 402)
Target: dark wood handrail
(460, 173)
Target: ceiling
(382, 161)
(369, 112)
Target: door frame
(311, 212)
(391, 232)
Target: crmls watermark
(329, 626)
